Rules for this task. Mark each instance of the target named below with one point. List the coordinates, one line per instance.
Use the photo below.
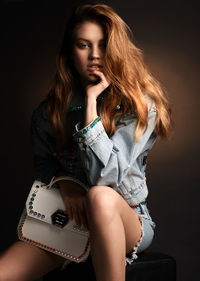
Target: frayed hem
(135, 248)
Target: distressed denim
(148, 227)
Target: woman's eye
(82, 46)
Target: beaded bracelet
(84, 131)
(79, 107)
(74, 107)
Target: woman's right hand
(93, 90)
(74, 197)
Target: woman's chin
(90, 79)
(93, 78)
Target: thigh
(26, 262)
(113, 204)
(131, 222)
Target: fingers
(83, 215)
(76, 211)
(80, 215)
(76, 215)
(73, 196)
(95, 89)
(103, 81)
(69, 209)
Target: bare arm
(92, 93)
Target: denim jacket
(91, 156)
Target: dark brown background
(167, 32)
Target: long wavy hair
(130, 79)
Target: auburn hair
(130, 79)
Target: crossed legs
(114, 230)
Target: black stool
(148, 267)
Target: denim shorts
(147, 232)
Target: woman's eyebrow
(83, 39)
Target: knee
(7, 275)
(7, 272)
(4, 275)
(101, 202)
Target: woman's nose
(95, 53)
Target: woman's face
(88, 50)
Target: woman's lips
(94, 67)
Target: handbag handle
(54, 180)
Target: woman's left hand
(74, 197)
(93, 90)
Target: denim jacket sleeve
(45, 164)
(107, 160)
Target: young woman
(97, 124)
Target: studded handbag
(44, 223)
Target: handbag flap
(42, 202)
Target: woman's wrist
(91, 110)
(90, 103)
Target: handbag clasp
(60, 218)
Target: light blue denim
(148, 227)
(119, 161)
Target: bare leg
(24, 262)
(114, 229)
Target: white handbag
(44, 223)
